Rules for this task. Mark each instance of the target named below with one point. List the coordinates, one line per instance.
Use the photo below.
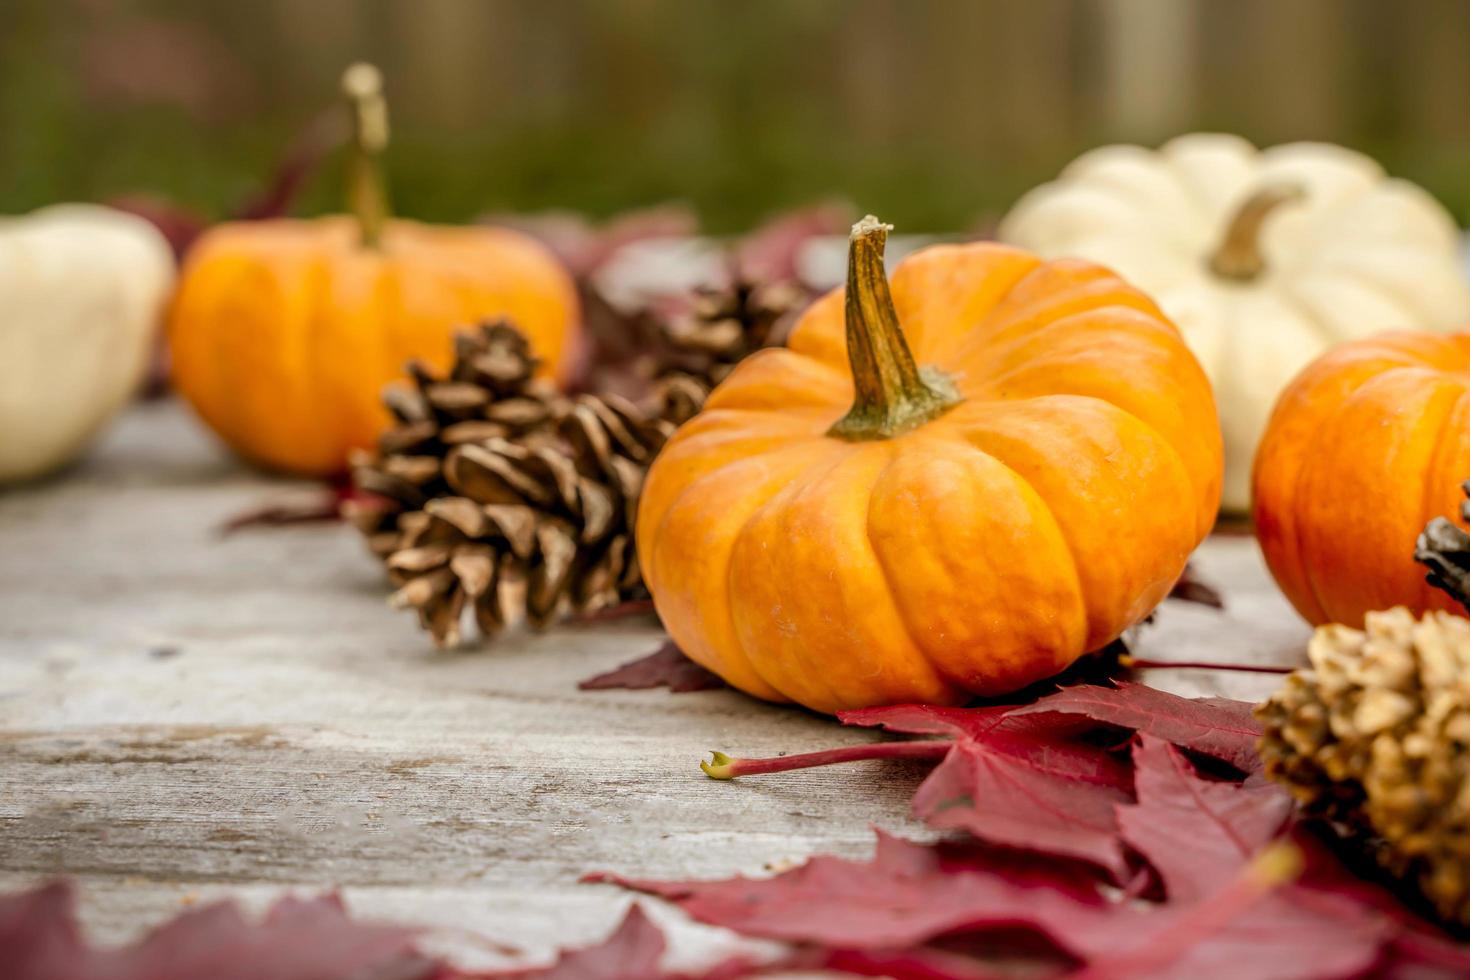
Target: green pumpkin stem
(893, 394)
(1238, 256)
(367, 192)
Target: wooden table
(185, 715)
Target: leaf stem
(892, 394)
(1138, 663)
(722, 766)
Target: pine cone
(501, 494)
(1444, 549)
(720, 329)
(1376, 735)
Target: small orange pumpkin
(966, 527)
(1364, 447)
(283, 333)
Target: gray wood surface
(185, 715)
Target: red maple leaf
(1217, 727)
(907, 895)
(1035, 779)
(665, 667)
(1041, 776)
(1197, 833)
(297, 939)
(311, 939)
(631, 952)
(911, 910)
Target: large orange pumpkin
(1014, 489)
(1364, 447)
(283, 333)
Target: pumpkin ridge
(736, 648)
(889, 590)
(1445, 451)
(783, 442)
(322, 387)
(1324, 323)
(1207, 512)
(779, 503)
(950, 435)
(1181, 471)
(1024, 321)
(1313, 470)
(926, 341)
(1074, 567)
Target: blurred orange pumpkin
(1364, 447)
(283, 333)
(967, 527)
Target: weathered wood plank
(184, 715)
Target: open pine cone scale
(501, 494)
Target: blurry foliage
(934, 113)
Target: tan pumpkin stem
(893, 394)
(1238, 255)
(367, 193)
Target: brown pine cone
(1376, 735)
(498, 493)
(717, 331)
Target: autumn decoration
(956, 484)
(84, 289)
(283, 332)
(1376, 735)
(1264, 259)
(296, 939)
(495, 495)
(1365, 447)
(1063, 799)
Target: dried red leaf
(1216, 727)
(907, 895)
(1256, 925)
(631, 952)
(179, 225)
(324, 507)
(1055, 797)
(770, 253)
(1017, 776)
(310, 939)
(303, 158)
(1191, 588)
(665, 667)
(885, 917)
(583, 247)
(1197, 833)
(1026, 777)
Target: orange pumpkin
(1364, 447)
(965, 527)
(283, 333)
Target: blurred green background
(934, 113)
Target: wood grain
(184, 715)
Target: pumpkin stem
(367, 194)
(893, 394)
(1238, 255)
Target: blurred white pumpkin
(1263, 258)
(82, 290)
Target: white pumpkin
(1263, 258)
(82, 290)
